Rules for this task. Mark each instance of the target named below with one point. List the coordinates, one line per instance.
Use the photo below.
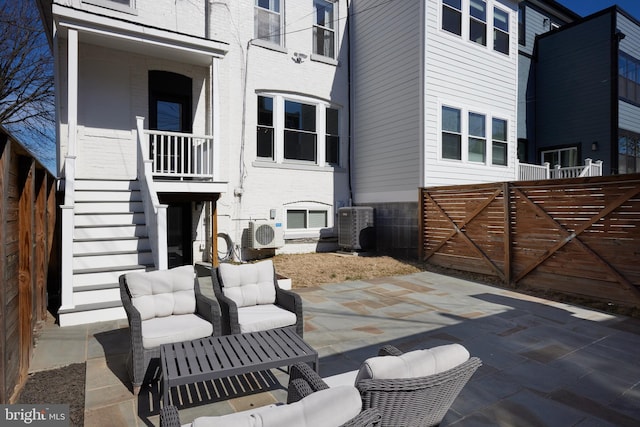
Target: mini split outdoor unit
(356, 230)
(265, 235)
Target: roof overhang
(132, 37)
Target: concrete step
(111, 260)
(96, 296)
(90, 313)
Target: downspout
(349, 106)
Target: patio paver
(545, 363)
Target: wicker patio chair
(260, 306)
(420, 401)
(163, 307)
(315, 414)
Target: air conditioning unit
(265, 235)
(356, 230)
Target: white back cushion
(249, 284)
(164, 292)
(414, 364)
(331, 407)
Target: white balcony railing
(181, 155)
(529, 172)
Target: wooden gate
(578, 236)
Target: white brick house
(178, 121)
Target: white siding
(387, 100)
(465, 75)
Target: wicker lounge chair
(338, 407)
(417, 401)
(251, 300)
(164, 307)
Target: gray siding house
(587, 92)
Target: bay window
(303, 131)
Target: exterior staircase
(109, 239)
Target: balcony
(529, 172)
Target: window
(629, 78)
(477, 138)
(478, 21)
(265, 127)
(565, 157)
(628, 152)
(119, 5)
(304, 219)
(324, 34)
(452, 16)
(332, 139)
(522, 32)
(299, 131)
(267, 20)
(500, 31)
(499, 147)
(451, 134)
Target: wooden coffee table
(219, 357)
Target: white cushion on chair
(163, 292)
(325, 408)
(177, 328)
(263, 317)
(414, 364)
(249, 284)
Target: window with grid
(478, 21)
(324, 33)
(477, 138)
(452, 16)
(500, 31)
(451, 133)
(268, 21)
(499, 147)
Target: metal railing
(181, 155)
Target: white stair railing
(155, 213)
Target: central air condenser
(356, 230)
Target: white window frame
(114, 5)
(332, 29)
(320, 132)
(261, 10)
(496, 29)
(559, 151)
(465, 135)
(473, 19)
(292, 233)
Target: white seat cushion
(414, 364)
(177, 328)
(263, 317)
(249, 284)
(163, 292)
(325, 408)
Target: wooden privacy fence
(27, 224)
(579, 236)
